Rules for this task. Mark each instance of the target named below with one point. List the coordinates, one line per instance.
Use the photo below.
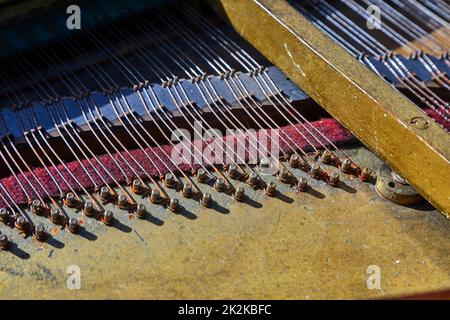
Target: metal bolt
(187, 190)
(122, 201)
(141, 211)
(36, 206)
(206, 199)
(39, 232)
(136, 186)
(239, 193)
(365, 174)
(155, 196)
(70, 199)
(88, 208)
(302, 184)
(294, 161)
(104, 193)
(108, 217)
(264, 162)
(252, 179)
(169, 180)
(346, 166)
(54, 215)
(271, 188)
(21, 223)
(232, 171)
(326, 156)
(284, 175)
(3, 214)
(315, 171)
(334, 179)
(4, 242)
(219, 185)
(73, 225)
(174, 204)
(201, 175)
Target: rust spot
(54, 230)
(131, 216)
(81, 221)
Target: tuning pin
(315, 171)
(39, 232)
(104, 194)
(201, 175)
(36, 206)
(334, 179)
(239, 194)
(122, 201)
(21, 224)
(232, 171)
(365, 175)
(169, 180)
(294, 161)
(302, 184)
(187, 190)
(73, 225)
(155, 196)
(4, 242)
(55, 217)
(284, 175)
(326, 156)
(107, 217)
(141, 211)
(252, 179)
(271, 188)
(88, 208)
(219, 185)
(174, 205)
(346, 166)
(70, 200)
(4, 217)
(206, 199)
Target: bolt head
(174, 204)
(3, 212)
(137, 183)
(141, 210)
(264, 162)
(21, 221)
(271, 188)
(206, 198)
(73, 222)
(108, 216)
(239, 193)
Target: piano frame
(387, 122)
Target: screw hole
(391, 184)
